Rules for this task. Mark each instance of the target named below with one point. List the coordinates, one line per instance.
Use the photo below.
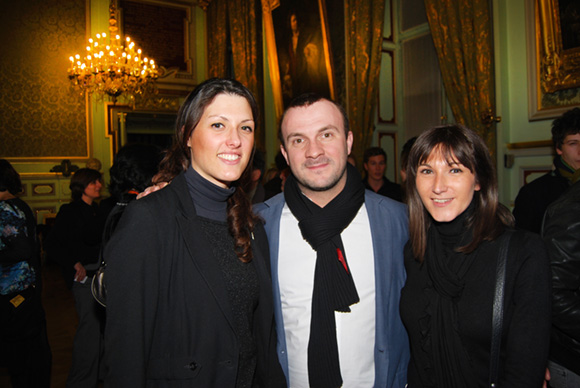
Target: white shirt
(355, 330)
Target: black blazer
(169, 319)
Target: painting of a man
(302, 56)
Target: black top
(534, 198)
(240, 278)
(75, 237)
(241, 282)
(526, 328)
(388, 189)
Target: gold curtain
(364, 39)
(244, 27)
(246, 38)
(217, 38)
(462, 34)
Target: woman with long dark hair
(189, 298)
(457, 228)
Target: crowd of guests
(329, 280)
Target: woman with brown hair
(457, 229)
(189, 296)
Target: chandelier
(113, 66)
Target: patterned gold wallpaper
(40, 115)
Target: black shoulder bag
(498, 304)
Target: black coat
(526, 317)
(169, 318)
(561, 232)
(534, 198)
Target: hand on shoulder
(152, 189)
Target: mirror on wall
(126, 125)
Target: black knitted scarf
(334, 288)
(447, 269)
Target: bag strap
(498, 302)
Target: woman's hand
(152, 189)
(81, 272)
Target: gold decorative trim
(529, 144)
(43, 189)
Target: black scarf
(334, 288)
(447, 268)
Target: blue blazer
(390, 232)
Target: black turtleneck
(240, 279)
(210, 200)
(455, 233)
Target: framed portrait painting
(298, 49)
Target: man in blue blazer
(337, 259)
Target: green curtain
(462, 34)
(364, 25)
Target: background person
(375, 164)
(189, 298)
(455, 226)
(405, 158)
(132, 171)
(255, 189)
(74, 243)
(24, 347)
(534, 198)
(561, 233)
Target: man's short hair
(373, 151)
(567, 124)
(308, 99)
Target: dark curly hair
(567, 124)
(241, 220)
(9, 178)
(133, 168)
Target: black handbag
(98, 287)
(498, 304)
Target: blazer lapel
(200, 252)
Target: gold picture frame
(554, 63)
(315, 72)
(559, 46)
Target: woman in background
(133, 167)
(74, 243)
(456, 227)
(189, 296)
(24, 347)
